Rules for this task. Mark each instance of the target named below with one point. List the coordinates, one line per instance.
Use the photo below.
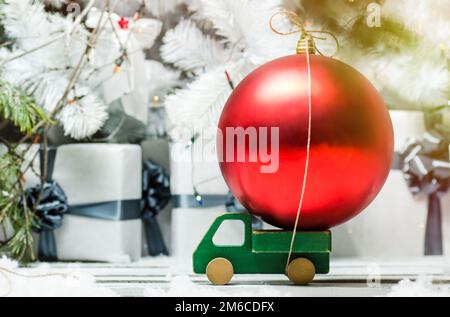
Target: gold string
(306, 39)
(301, 28)
(308, 150)
(4, 271)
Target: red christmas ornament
(124, 23)
(351, 146)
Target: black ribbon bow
(426, 170)
(50, 209)
(156, 195)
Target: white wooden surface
(174, 277)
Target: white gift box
(189, 226)
(199, 167)
(96, 174)
(393, 225)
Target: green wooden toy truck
(263, 251)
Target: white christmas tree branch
(75, 74)
(188, 48)
(76, 23)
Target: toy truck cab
(263, 251)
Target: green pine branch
(19, 108)
(22, 111)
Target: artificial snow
(180, 283)
(42, 281)
(421, 287)
(168, 276)
(183, 286)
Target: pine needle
(19, 108)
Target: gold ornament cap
(306, 44)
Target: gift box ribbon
(53, 205)
(49, 204)
(193, 201)
(426, 171)
(156, 195)
(111, 210)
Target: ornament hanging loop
(306, 42)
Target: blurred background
(121, 110)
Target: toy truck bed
(264, 251)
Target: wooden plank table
(165, 276)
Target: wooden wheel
(219, 271)
(301, 271)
